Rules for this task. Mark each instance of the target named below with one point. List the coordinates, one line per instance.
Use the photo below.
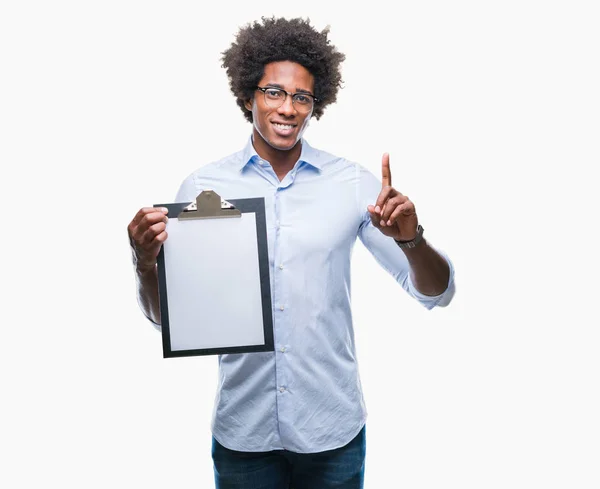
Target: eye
(303, 99)
(274, 93)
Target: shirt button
(282, 389)
(282, 350)
(280, 267)
(281, 308)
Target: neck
(281, 160)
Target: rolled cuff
(431, 301)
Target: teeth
(283, 126)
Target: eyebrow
(298, 90)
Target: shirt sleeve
(384, 249)
(187, 191)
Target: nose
(287, 107)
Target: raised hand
(393, 213)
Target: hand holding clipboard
(212, 275)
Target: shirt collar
(308, 155)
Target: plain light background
(489, 111)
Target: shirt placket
(278, 293)
(283, 308)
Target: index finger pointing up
(386, 173)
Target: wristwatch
(413, 242)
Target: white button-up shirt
(306, 395)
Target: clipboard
(213, 278)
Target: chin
(283, 147)
(282, 144)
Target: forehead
(289, 75)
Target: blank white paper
(213, 283)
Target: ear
(248, 104)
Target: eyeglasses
(275, 97)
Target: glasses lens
(274, 97)
(303, 103)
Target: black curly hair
(279, 39)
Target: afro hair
(279, 39)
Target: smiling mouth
(283, 129)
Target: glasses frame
(293, 95)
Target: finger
(384, 195)
(390, 194)
(148, 219)
(145, 211)
(151, 233)
(144, 243)
(375, 219)
(146, 255)
(386, 173)
(157, 242)
(144, 218)
(406, 209)
(391, 205)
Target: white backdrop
(490, 113)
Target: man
(296, 415)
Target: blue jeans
(342, 468)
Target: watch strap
(413, 242)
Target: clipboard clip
(209, 205)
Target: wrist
(413, 242)
(145, 268)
